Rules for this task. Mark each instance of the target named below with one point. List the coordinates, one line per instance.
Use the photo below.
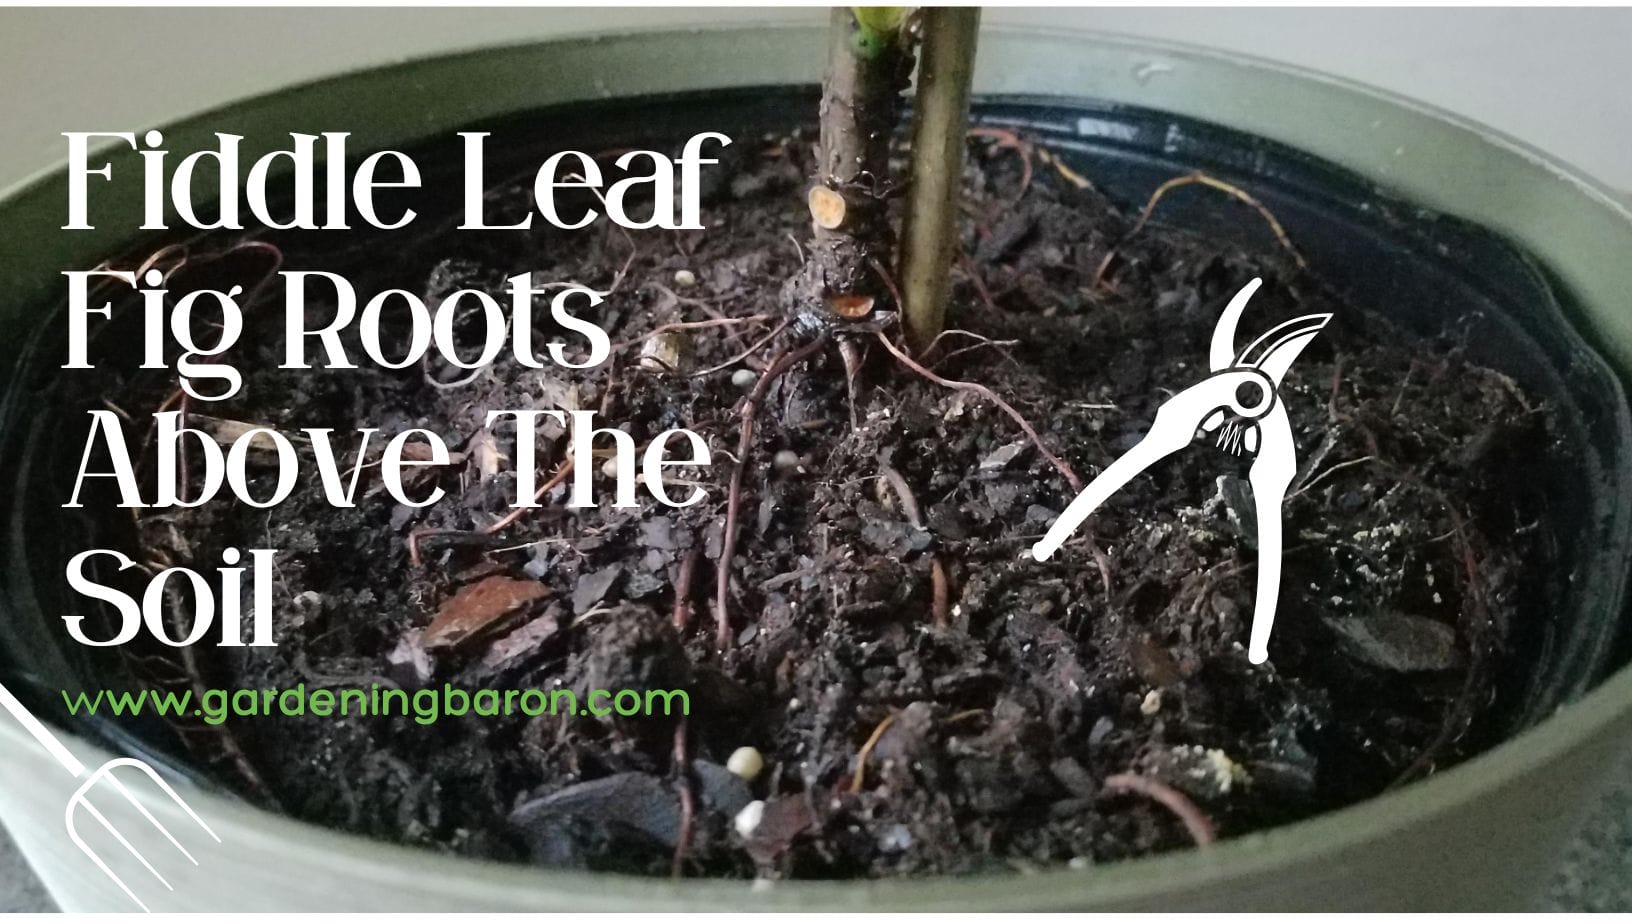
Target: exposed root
(153, 422)
(1195, 821)
(1008, 140)
(854, 356)
(981, 343)
(1071, 176)
(731, 517)
(974, 276)
(468, 379)
(1329, 473)
(940, 609)
(1332, 396)
(683, 587)
(172, 256)
(994, 398)
(692, 325)
(863, 760)
(1103, 562)
(980, 340)
(706, 306)
(413, 541)
(1011, 140)
(902, 491)
(182, 448)
(1202, 179)
(738, 357)
(686, 796)
(888, 282)
(941, 605)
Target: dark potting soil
(925, 697)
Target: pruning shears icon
(1239, 401)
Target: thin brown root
(686, 796)
(182, 448)
(1329, 473)
(1071, 176)
(413, 541)
(731, 517)
(994, 398)
(1195, 821)
(999, 345)
(864, 758)
(1103, 561)
(1011, 141)
(980, 340)
(940, 608)
(902, 491)
(980, 343)
(973, 274)
(707, 306)
(854, 356)
(153, 423)
(767, 339)
(557, 479)
(176, 255)
(116, 409)
(693, 325)
(1332, 397)
(683, 587)
(888, 282)
(1202, 179)
(942, 594)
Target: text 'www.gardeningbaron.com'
(426, 706)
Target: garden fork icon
(80, 802)
(1257, 425)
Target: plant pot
(1481, 835)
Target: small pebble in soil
(1152, 703)
(1102, 727)
(785, 461)
(663, 352)
(746, 763)
(684, 279)
(748, 818)
(897, 839)
(612, 468)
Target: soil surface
(924, 696)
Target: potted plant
(835, 593)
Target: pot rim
(1600, 711)
(1586, 183)
(1238, 859)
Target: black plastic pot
(1378, 251)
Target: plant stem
(859, 104)
(929, 241)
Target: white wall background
(1558, 79)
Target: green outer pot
(1482, 835)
